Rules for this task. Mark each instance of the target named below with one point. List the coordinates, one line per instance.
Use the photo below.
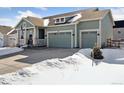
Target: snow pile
(76, 18)
(9, 50)
(57, 63)
(75, 69)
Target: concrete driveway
(14, 62)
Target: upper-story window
(60, 20)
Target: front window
(41, 33)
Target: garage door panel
(88, 39)
(60, 40)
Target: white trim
(61, 31)
(29, 22)
(75, 35)
(10, 31)
(86, 30)
(100, 28)
(25, 28)
(60, 25)
(90, 19)
(25, 20)
(89, 30)
(34, 36)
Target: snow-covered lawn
(75, 69)
(9, 50)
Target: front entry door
(30, 41)
(30, 38)
(41, 39)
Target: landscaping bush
(96, 53)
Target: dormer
(59, 20)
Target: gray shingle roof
(34, 20)
(85, 15)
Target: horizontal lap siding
(21, 24)
(107, 29)
(86, 25)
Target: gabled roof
(35, 20)
(119, 24)
(5, 29)
(76, 16)
(71, 13)
(90, 14)
(94, 15)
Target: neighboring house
(12, 38)
(3, 35)
(78, 29)
(118, 32)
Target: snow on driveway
(75, 69)
(9, 50)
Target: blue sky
(11, 15)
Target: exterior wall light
(98, 34)
(73, 34)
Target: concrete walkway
(28, 57)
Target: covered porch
(30, 32)
(34, 36)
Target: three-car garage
(66, 39)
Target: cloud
(26, 13)
(118, 13)
(42, 8)
(7, 22)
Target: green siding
(62, 28)
(86, 25)
(21, 23)
(107, 29)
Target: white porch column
(25, 31)
(34, 36)
(18, 42)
